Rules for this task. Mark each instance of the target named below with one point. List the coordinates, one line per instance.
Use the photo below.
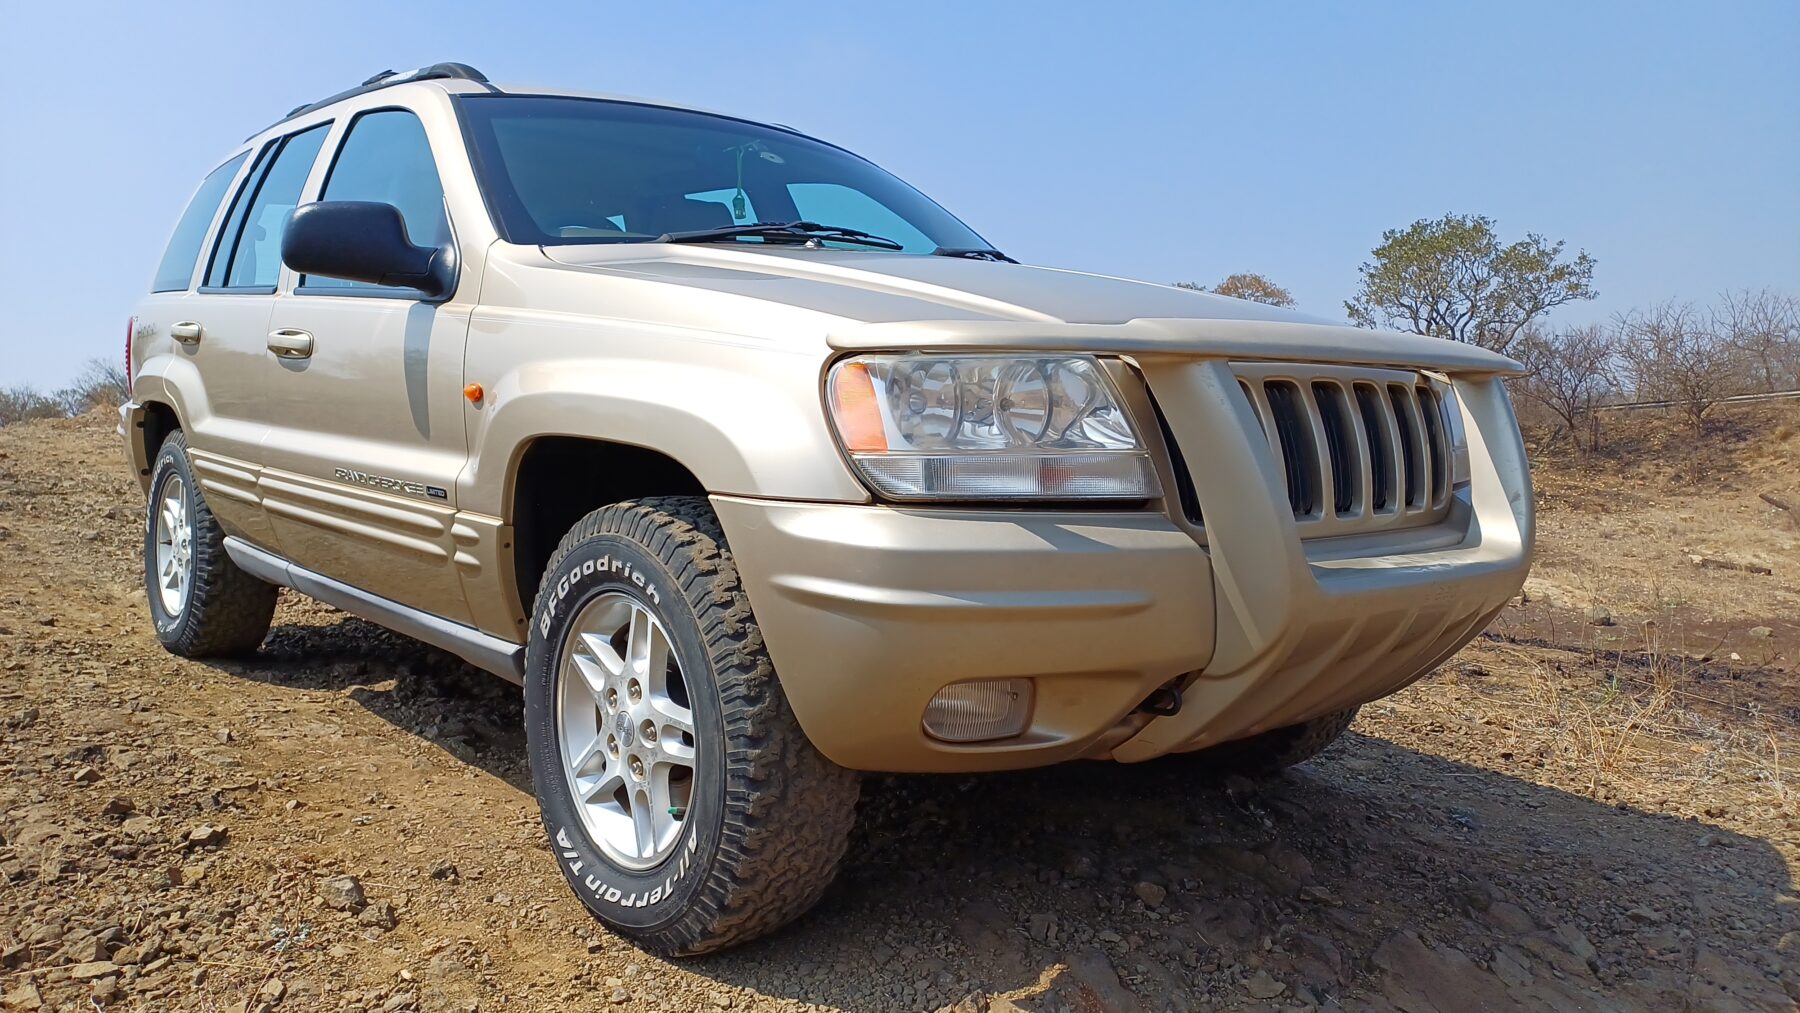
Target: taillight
(130, 327)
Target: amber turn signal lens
(858, 416)
(474, 393)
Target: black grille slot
(1409, 444)
(1340, 445)
(1360, 451)
(1381, 462)
(1251, 398)
(1432, 412)
(1184, 482)
(1288, 414)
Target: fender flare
(735, 435)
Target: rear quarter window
(176, 271)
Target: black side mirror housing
(364, 241)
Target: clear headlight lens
(988, 427)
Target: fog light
(980, 710)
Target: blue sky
(1178, 141)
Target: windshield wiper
(783, 232)
(972, 253)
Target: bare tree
(101, 384)
(24, 403)
(1571, 372)
(1672, 353)
(1764, 328)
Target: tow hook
(1164, 703)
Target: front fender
(747, 423)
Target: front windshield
(557, 171)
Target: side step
(483, 650)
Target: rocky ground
(1554, 821)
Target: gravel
(363, 839)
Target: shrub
(100, 385)
(25, 402)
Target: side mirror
(363, 241)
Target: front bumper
(868, 611)
(1309, 627)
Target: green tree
(1254, 287)
(1453, 278)
(1246, 285)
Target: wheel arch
(558, 438)
(160, 420)
(557, 479)
(146, 424)
(744, 426)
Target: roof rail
(435, 72)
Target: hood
(880, 287)
(903, 301)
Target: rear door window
(176, 271)
(248, 255)
(386, 158)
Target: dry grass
(1682, 687)
(1621, 727)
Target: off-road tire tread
(228, 611)
(1279, 748)
(788, 810)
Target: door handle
(291, 344)
(187, 332)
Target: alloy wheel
(174, 547)
(626, 730)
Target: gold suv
(756, 469)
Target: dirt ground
(1579, 812)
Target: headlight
(921, 427)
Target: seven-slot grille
(1359, 449)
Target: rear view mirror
(363, 241)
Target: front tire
(201, 604)
(683, 802)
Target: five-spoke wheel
(683, 801)
(627, 730)
(174, 546)
(200, 602)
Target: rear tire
(764, 818)
(1278, 748)
(201, 604)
